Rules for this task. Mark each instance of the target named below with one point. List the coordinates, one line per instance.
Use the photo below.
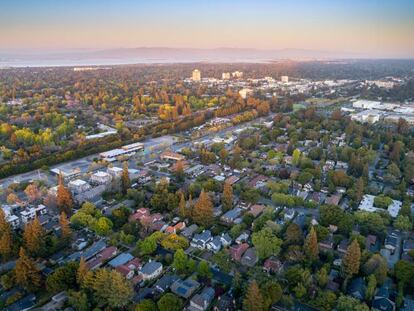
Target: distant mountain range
(161, 55)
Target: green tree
(293, 234)
(403, 223)
(296, 157)
(346, 303)
(146, 305)
(79, 301)
(63, 278)
(322, 277)
(371, 287)
(376, 265)
(180, 261)
(111, 288)
(103, 226)
(169, 302)
(271, 292)
(253, 301)
(266, 243)
(203, 270)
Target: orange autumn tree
(203, 210)
(64, 197)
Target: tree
(203, 210)
(169, 302)
(346, 303)
(103, 226)
(125, 181)
(227, 200)
(65, 226)
(82, 271)
(271, 292)
(6, 245)
(63, 278)
(203, 270)
(6, 237)
(64, 199)
(111, 288)
(33, 236)
(79, 301)
(293, 234)
(266, 243)
(253, 301)
(27, 274)
(32, 192)
(322, 277)
(296, 157)
(146, 305)
(403, 223)
(351, 260)
(182, 206)
(371, 287)
(376, 265)
(179, 171)
(180, 261)
(174, 242)
(310, 247)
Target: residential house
(272, 265)
(185, 288)
(225, 239)
(382, 300)
(231, 215)
(256, 210)
(243, 237)
(121, 259)
(215, 244)
(151, 270)
(237, 250)
(249, 257)
(357, 288)
(189, 231)
(224, 303)
(101, 257)
(165, 282)
(200, 240)
(201, 301)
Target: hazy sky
(374, 27)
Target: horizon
(373, 29)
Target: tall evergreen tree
(27, 274)
(253, 300)
(125, 180)
(351, 260)
(203, 210)
(311, 245)
(182, 205)
(227, 200)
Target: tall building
(237, 74)
(225, 75)
(196, 75)
(284, 79)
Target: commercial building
(126, 150)
(196, 75)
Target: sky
(379, 28)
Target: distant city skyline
(370, 28)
